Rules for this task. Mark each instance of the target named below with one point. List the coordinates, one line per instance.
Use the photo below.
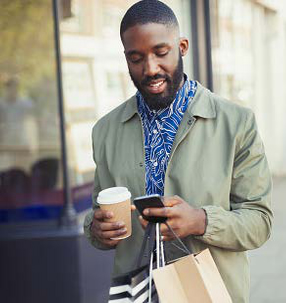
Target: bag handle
(149, 235)
(183, 247)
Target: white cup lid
(113, 195)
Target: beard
(159, 101)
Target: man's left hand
(183, 218)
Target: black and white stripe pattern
(138, 285)
(133, 287)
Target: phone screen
(153, 201)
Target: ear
(184, 46)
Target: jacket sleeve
(88, 218)
(247, 225)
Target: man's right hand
(103, 231)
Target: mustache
(149, 79)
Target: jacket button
(141, 164)
(190, 121)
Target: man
(177, 139)
(17, 140)
(15, 108)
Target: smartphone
(152, 201)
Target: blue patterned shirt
(160, 128)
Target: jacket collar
(130, 109)
(202, 105)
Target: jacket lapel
(202, 106)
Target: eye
(135, 59)
(162, 54)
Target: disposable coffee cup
(117, 200)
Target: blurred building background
(62, 67)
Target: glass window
(248, 47)
(232, 49)
(30, 157)
(96, 77)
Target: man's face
(154, 57)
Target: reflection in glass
(30, 175)
(248, 47)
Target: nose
(151, 67)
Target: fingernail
(123, 230)
(146, 212)
(109, 215)
(120, 224)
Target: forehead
(148, 35)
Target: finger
(111, 233)
(105, 226)
(158, 212)
(171, 201)
(143, 222)
(164, 229)
(101, 214)
(133, 207)
(167, 238)
(166, 233)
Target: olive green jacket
(217, 163)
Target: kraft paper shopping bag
(194, 278)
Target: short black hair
(148, 11)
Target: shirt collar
(202, 105)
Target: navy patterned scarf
(160, 128)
